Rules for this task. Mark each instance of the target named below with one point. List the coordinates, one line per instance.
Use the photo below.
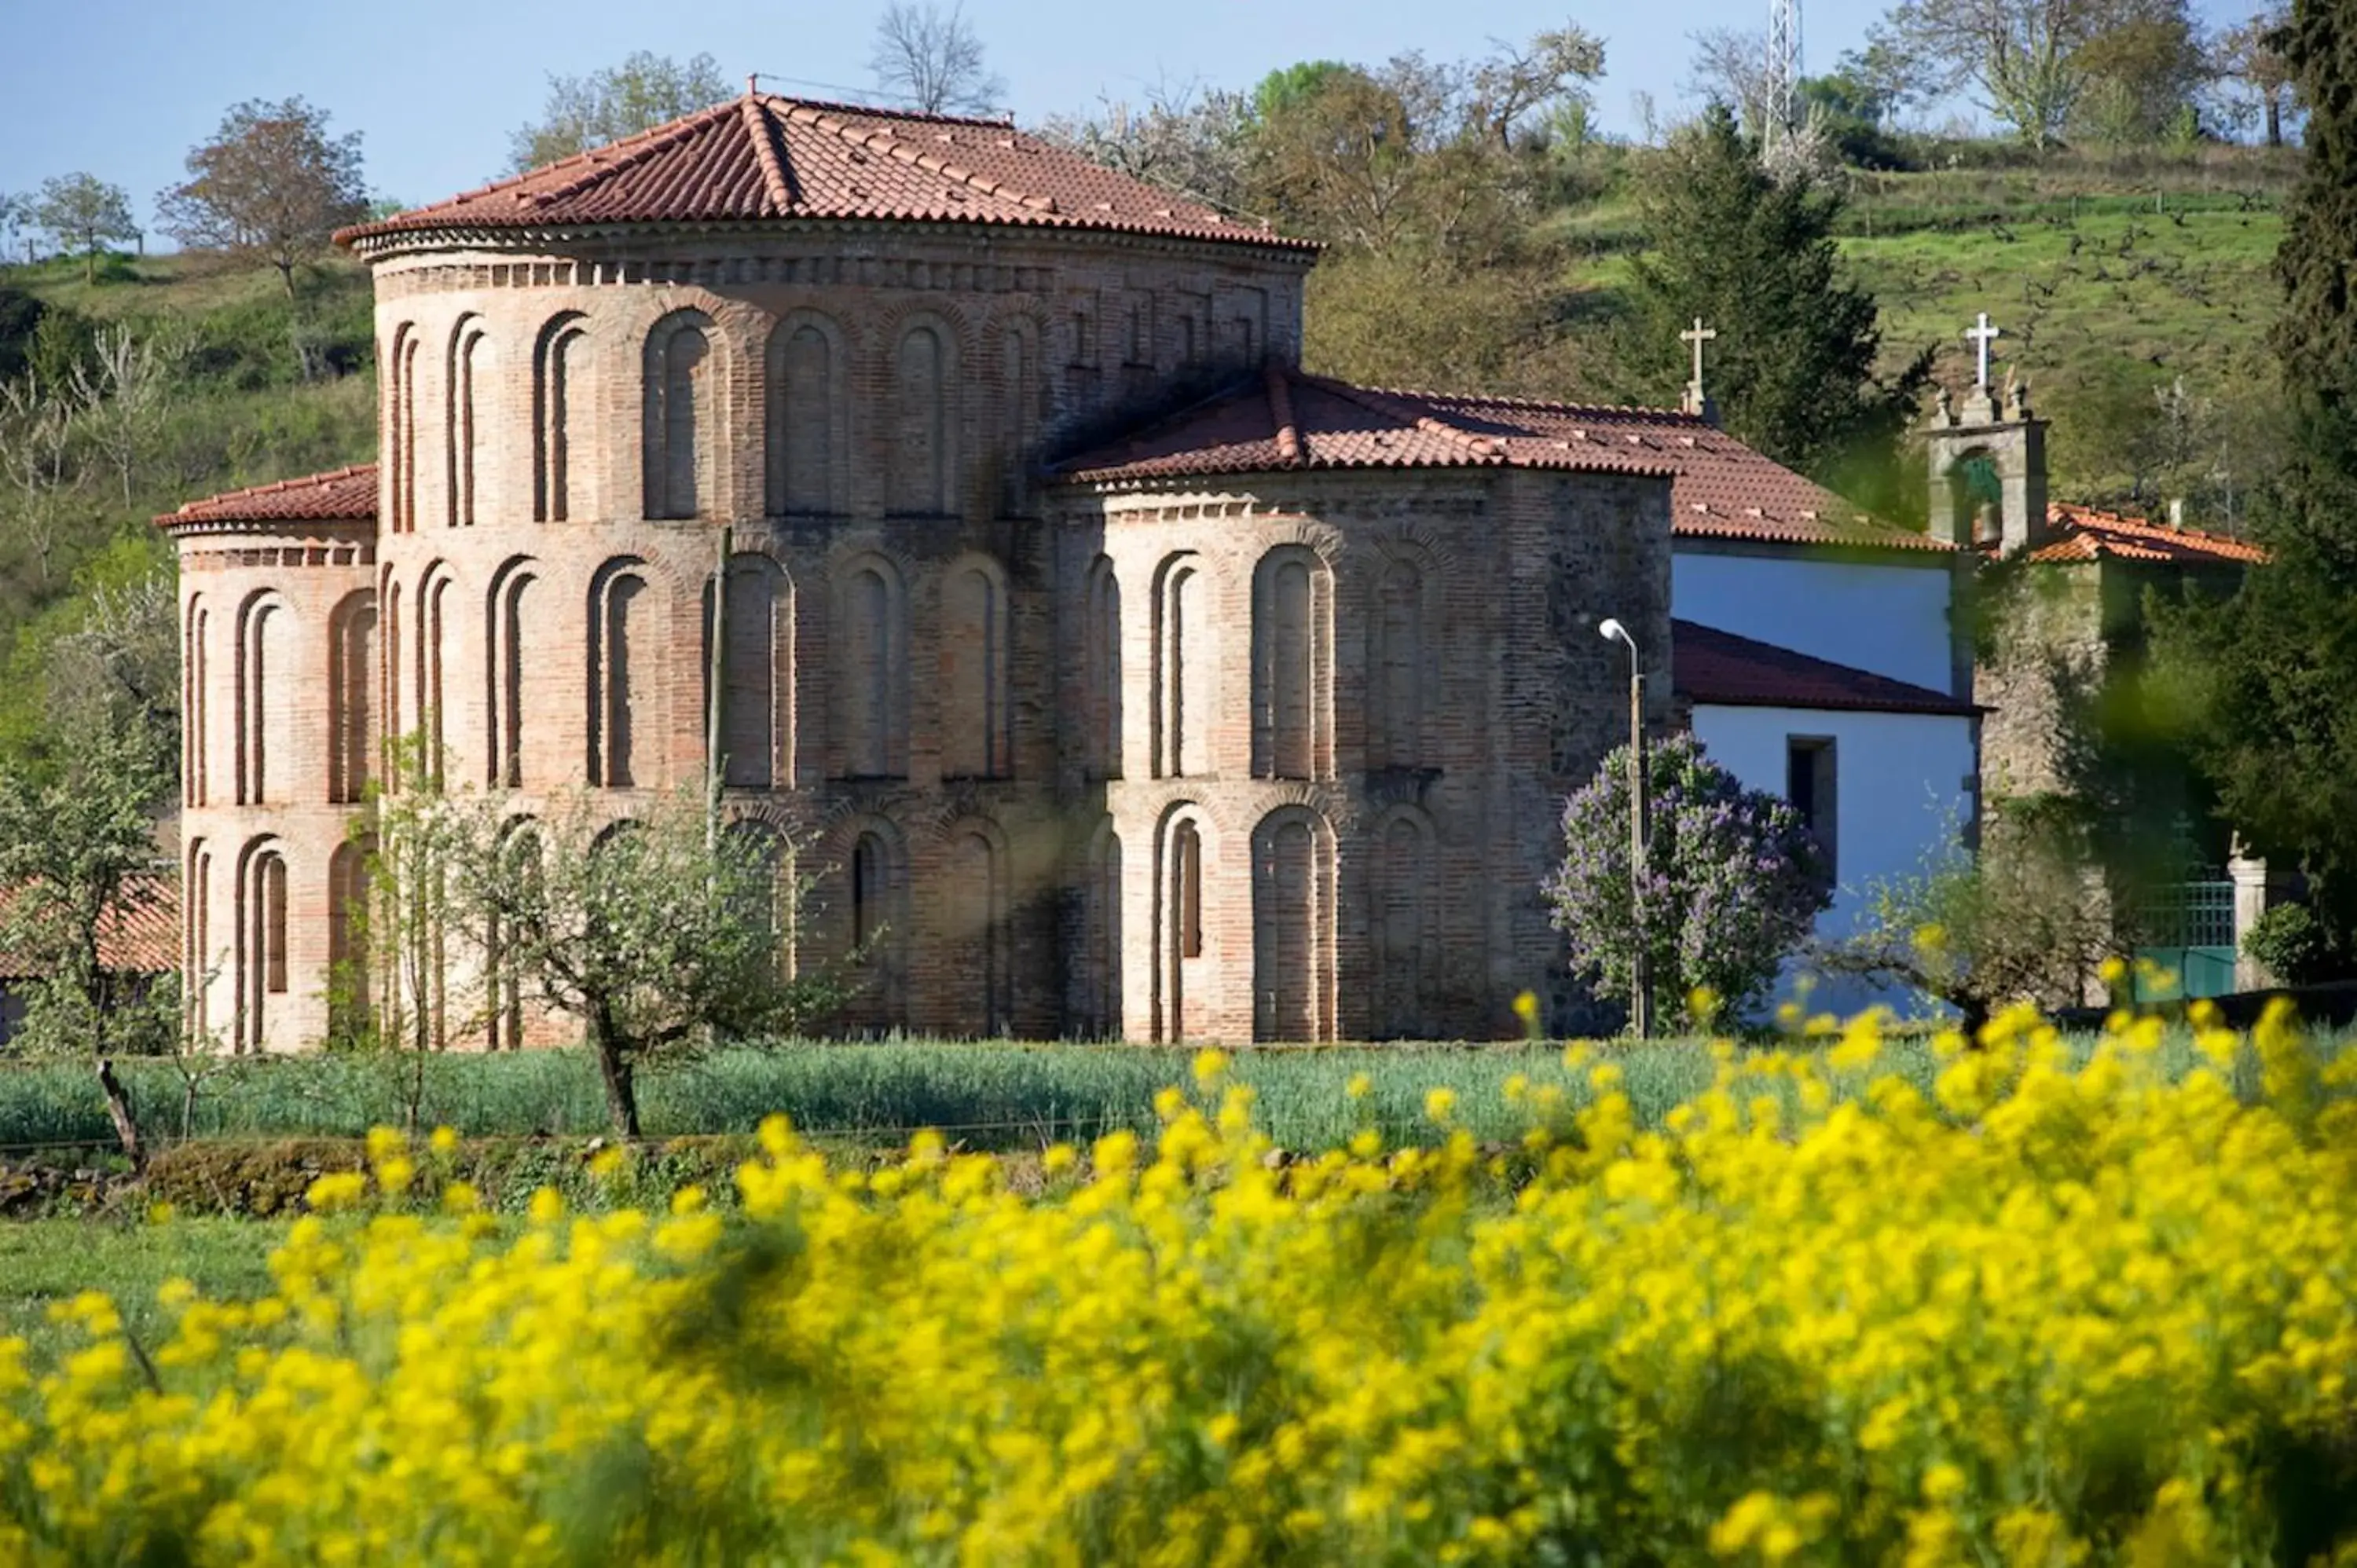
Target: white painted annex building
(1821, 655)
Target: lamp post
(1641, 990)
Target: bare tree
(2250, 55)
(1184, 139)
(122, 391)
(931, 60)
(272, 185)
(1554, 68)
(38, 428)
(1730, 66)
(645, 91)
(80, 212)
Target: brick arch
(353, 721)
(260, 966)
(1181, 679)
(973, 624)
(400, 426)
(564, 398)
(868, 644)
(1404, 617)
(1402, 922)
(266, 683)
(1023, 405)
(1100, 669)
(1099, 997)
(683, 425)
(1293, 875)
(630, 629)
(1292, 663)
(431, 614)
(516, 687)
(1185, 850)
(807, 408)
(196, 727)
(1301, 531)
(871, 878)
(975, 907)
(469, 444)
(758, 697)
(922, 416)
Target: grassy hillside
(2113, 281)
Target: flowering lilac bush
(1734, 880)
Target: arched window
(350, 1000)
(757, 727)
(519, 852)
(1400, 668)
(872, 681)
(1292, 957)
(622, 676)
(1101, 671)
(1400, 922)
(1290, 665)
(1018, 406)
(808, 446)
(261, 969)
(1177, 921)
(388, 640)
(263, 753)
(975, 742)
(464, 433)
(560, 360)
(196, 732)
(1181, 686)
(401, 429)
(1101, 936)
(920, 459)
(975, 901)
(879, 930)
(351, 683)
(509, 678)
(764, 884)
(198, 959)
(433, 643)
(679, 423)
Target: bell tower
(1987, 462)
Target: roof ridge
(656, 139)
(758, 126)
(1395, 407)
(350, 470)
(1280, 414)
(933, 162)
(1503, 400)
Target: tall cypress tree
(1793, 368)
(2266, 680)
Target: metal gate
(2187, 935)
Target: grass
(45, 1261)
(998, 1096)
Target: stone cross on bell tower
(1988, 459)
(1697, 401)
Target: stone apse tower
(1066, 754)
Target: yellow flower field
(2041, 1316)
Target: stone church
(1113, 676)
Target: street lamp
(1641, 990)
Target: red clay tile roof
(1717, 668)
(141, 937)
(1290, 419)
(765, 156)
(340, 494)
(2088, 535)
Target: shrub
(2031, 1316)
(2289, 943)
(1734, 884)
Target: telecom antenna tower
(1783, 86)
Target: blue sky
(123, 88)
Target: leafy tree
(2025, 57)
(1289, 86)
(2261, 678)
(645, 91)
(1733, 883)
(81, 212)
(932, 60)
(78, 854)
(2143, 73)
(1793, 368)
(1196, 143)
(655, 934)
(270, 186)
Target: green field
(44, 1261)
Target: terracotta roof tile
(765, 156)
(1720, 488)
(1718, 668)
(140, 936)
(340, 494)
(2088, 535)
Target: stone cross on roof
(1697, 334)
(1981, 337)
